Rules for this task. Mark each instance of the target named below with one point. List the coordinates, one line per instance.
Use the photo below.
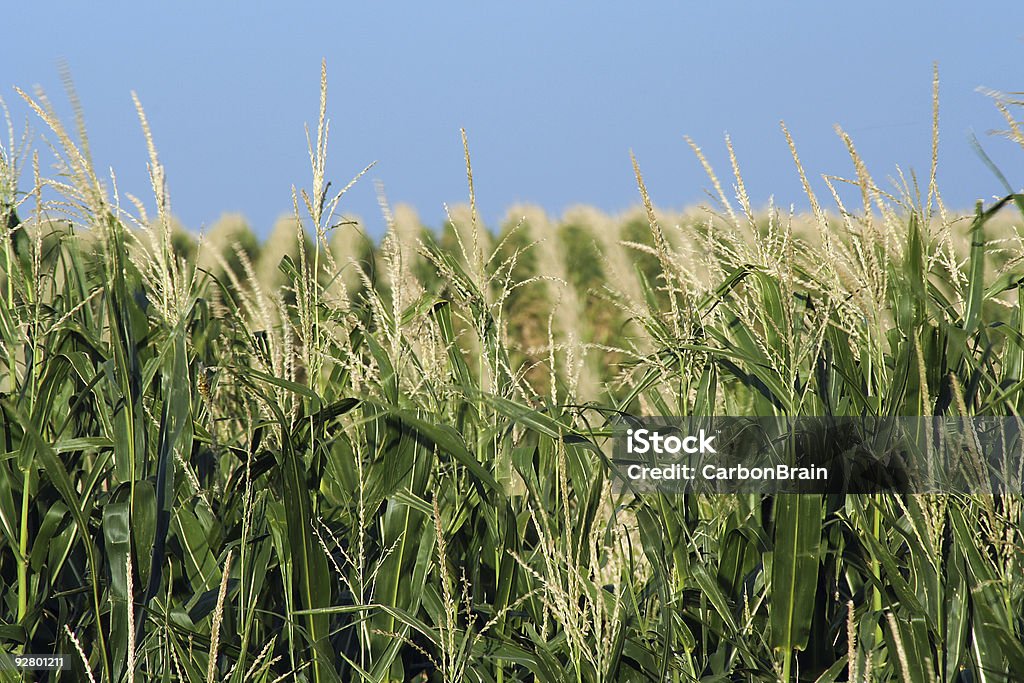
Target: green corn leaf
(795, 562)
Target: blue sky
(553, 96)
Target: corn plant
(329, 458)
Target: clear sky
(553, 95)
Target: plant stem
(23, 549)
(876, 595)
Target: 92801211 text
(32, 662)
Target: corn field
(329, 458)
